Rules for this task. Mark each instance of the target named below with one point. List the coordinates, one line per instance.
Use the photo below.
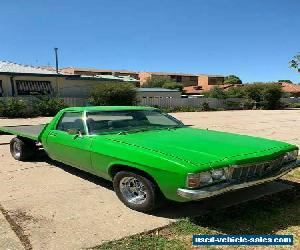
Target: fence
(230, 103)
(70, 101)
(188, 102)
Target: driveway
(53, 206)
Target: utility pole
(56, 65)
(56, 59)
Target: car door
(67, 147)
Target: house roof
(110, 77)
(210, 75)
(10, 67)
(170, 74)
(74, 69)
(290, 87)
(193, 90)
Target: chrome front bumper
(206, 192)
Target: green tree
(173, 85)
(236, 92)
(113, 93)
(271, 96)
(289, 81)
(14, 108)
(295, 62)
(216, 92)
(157, 82)
(265, 95)
(48, 106)
(232, 79)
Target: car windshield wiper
(149, 129)
(176, 127)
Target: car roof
(107, 108)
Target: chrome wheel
(133, 190)
(17, 149)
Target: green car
(151, 156)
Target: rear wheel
(136, 192)
(22, 149)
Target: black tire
(22, 149)
(153, 196)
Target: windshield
(128, 120)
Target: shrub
(254, 92)
(14, 108)
(216, 93)
(293, 105)
(235, 92)
(2, 107)
(232, 79)
(288, 81)
(271, 95)
(157, 82)
(113, 93)
(247, 104)
(205, 106)
(49, 106)
(173, 85)
(264, 95)
(180, 109)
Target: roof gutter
(32, 74)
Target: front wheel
(136, 191)
(22, 149)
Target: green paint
(167, 155)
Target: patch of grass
(140, 242)
(275, 214)
(294, 105)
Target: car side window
(71, 121)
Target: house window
(34, 87)
(179, 79)
(176, 78)
(1, 89)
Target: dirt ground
(53, 206)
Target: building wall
(185, 80)
(143, 77)
(76, 88)
(189, 81)
(207, 82)
(62, 86)
(7, 87)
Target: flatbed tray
(28, 131)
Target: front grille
(255, 170)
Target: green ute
(150, 156)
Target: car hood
(201, 146)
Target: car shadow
(266, 215)
(43, 157)
(262, 209)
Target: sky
(252, 39)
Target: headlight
(193, 180)
(205, 178)
(217, 174)
(290, 156)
